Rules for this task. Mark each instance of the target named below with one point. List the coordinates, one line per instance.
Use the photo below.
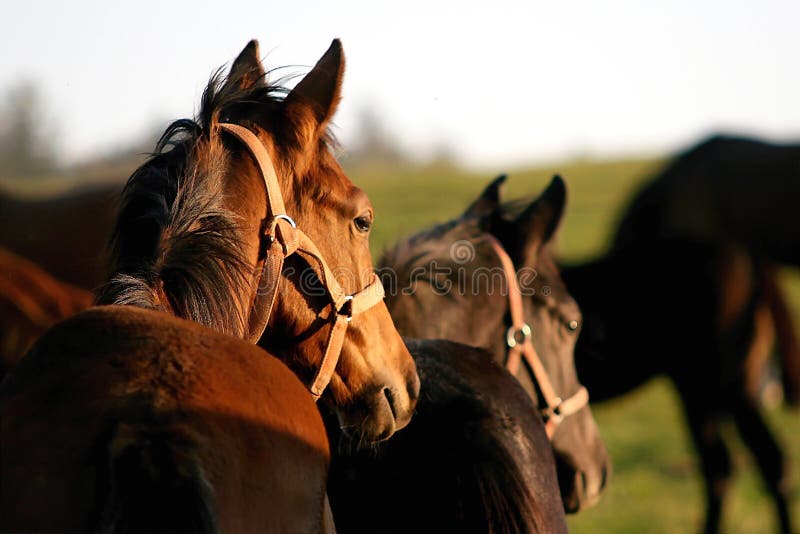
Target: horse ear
(320, 89)
(247, 70)
(488, 201)
(536, 225)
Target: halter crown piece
(520, 344)
(283, 239)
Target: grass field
(656, 487)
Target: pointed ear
(536, 225)
(488, 201)
(320, 90)
(247, 70)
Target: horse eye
(363, 223)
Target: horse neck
(585, 280)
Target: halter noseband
(284, 239)
(520, 344)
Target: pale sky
(503, 83)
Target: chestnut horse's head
(200, 235)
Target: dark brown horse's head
(191, 237)
(447, 282)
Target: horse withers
(453, 281)
(164, 424)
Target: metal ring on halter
(553, 413)
(285, 218)
(348, 301)
(511, 335)
(273, 224)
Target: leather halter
(520, 344)
(283, 239)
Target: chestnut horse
(453, 282)
(127, 418)
(31, 301)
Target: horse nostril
(390, 398)
(584, 485)
(413, 388)
(604, 477)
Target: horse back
(67, 234)
(190, 430)
(723, 189)
(475, 458)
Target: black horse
(447, 282)
(681, 294)
(734, 193)
(666, 309)
(473, 459)
(724, 188)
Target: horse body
(697, 329)
(486, 464)
(185, 424)
(737, 193)
(685, 291)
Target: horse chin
(580, 489)
(379, 411)
(370, 422)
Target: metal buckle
(285, 218)
(553, 413)
(270, 234)
(348, 303)
(511, 335)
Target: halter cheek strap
(520, 344)
(283, 239)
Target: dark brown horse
(449, 282)
(472, 459)
(682, 293)
(31, 301)
(127, 418)
(724, 188)
(687, 311)
(64, 234)
(735, 192)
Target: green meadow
(656, 486)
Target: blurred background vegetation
(656, 486)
